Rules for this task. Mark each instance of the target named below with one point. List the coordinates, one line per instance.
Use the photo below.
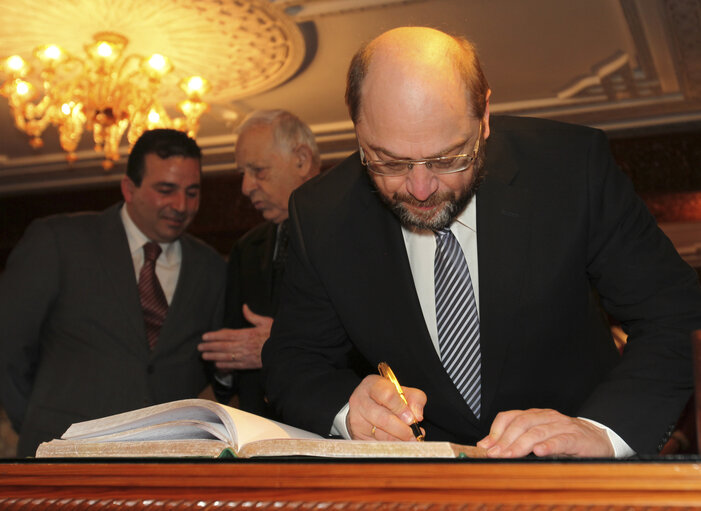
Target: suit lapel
(503, 234)
(117, 263)
(264, 247)
(180, 307)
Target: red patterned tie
(153, 300)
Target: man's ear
(303, 159)
(485, 119)
(128, 188)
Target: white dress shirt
(168, 262)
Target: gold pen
(386, 372)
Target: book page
(194, 410)
(252, 428)
(359, 449)
(172, 430)
(151, 448)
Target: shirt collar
(138, 239)
(468, 217)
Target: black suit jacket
(73, 345)
(560, 230)
(250, 281)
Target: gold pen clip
(386, 372)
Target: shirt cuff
(225, 380)
(620, 448)
(339, 423)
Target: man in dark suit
(76, 343)
(544, 230)
(276, 152)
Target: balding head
(412, 63)
(418, 96)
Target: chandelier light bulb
(157, 62)
(23, 88)
(194, 86)
(195, 83)
(104, 49)
(15, 63)
(53, 52)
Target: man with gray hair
(275, 152)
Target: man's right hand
(239, 348)
(377, 412)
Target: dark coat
(560, 232)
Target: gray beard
(453, 203)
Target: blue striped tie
(457, 319)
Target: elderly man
(101, 313)
(472, 253)
(276, 152)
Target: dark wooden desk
(377, 486)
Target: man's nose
(179, 202)
(421, 182)
(247, 184)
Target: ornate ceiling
(616, 64)
(244, 47)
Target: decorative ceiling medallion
(242, 47)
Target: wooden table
(353, 486)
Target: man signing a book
(474, 255)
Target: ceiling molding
(618, 65)
(684, 19)
(310, 10)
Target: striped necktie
(457, 319)
(153, 300)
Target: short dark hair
(465, 59)
(163, 142)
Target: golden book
(204, 428)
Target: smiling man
(473, 254)
(102, 312)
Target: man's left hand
(517, 433)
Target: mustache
(175, 215)
(435, 199)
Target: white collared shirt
(167, 264)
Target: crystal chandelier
(103, 93)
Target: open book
(199, 427)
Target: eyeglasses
(438, 165)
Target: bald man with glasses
(475, 255)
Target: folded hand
(544, 432)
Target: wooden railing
(371, 485)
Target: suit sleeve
(28, 288)
(645, 285)
(233, 315)
(225, 389)
(307, 338)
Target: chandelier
(103, 93)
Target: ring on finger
(373, 431)
(233, 357)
